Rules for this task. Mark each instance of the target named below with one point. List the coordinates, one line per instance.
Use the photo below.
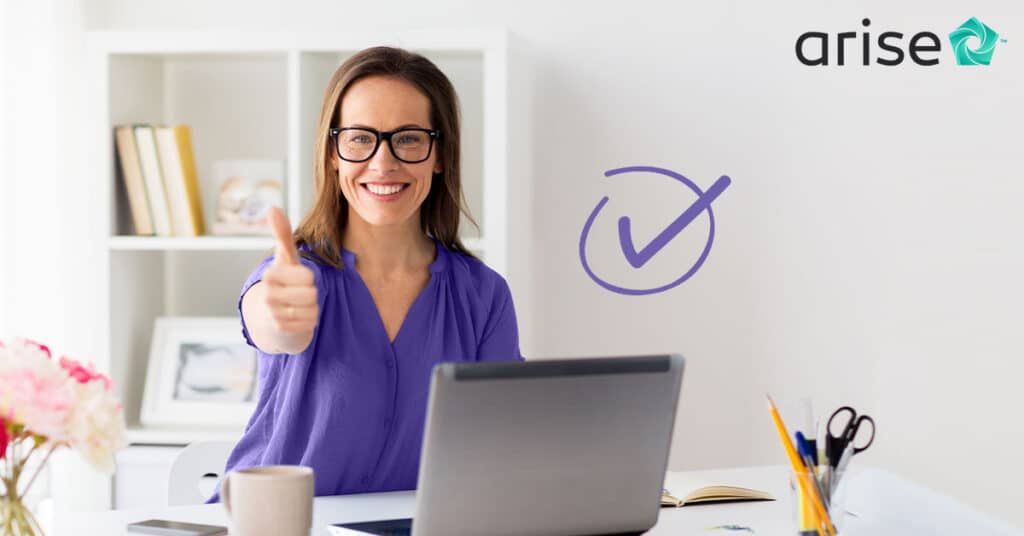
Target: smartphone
(387, 527)
(163, 527)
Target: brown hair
(322, 229)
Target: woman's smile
(384, 191)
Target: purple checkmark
(703, 202)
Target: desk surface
(773, 518)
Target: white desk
(887, 505)
(767, 518)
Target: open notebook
(683, 490)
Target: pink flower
(61, 402)
(4, 439)
(36, 392)
(43, 347)
(82, 374)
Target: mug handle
(224, 494)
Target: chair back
(196, 471)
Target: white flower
(96, 425)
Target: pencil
(801, 474)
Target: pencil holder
(803, 499)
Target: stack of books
(159, 171)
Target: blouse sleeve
(257, 275)
(500, 341)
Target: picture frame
(244, 192)
(201, 373)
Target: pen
(806, 510)
(821, 490)
(827, 478)
(812, 429)
(805, 450)
(824, 467)
(801, 476)
(803, 447)
(844, 460)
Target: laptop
(568, 446)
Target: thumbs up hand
(290, 296)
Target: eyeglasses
(409, 145)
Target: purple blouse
(353, 405)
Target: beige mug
(276, 500)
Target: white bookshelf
(246, 96)
(200, 243)
(220, 243)
(173, 437)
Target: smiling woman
(352, 312)
(385, 187)
(380, 92)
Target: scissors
(836, 444)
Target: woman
(375, 288)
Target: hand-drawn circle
(597, 209)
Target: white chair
(196, 471)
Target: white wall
(6, 189)
(29, 173)
(40, 147)
(868, 251)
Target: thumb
(285, 248)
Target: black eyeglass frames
(409, 145)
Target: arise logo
(961, 39)
(973, 43)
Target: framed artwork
(246, 189)
(201, 373)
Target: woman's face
(384, 190)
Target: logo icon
(961, 39)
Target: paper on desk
(887, 505)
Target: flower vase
(17, 519)
(48, 404)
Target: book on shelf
(174, 144)
(135, 185)
(153, 175)
(159, 172)
(684, 490)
